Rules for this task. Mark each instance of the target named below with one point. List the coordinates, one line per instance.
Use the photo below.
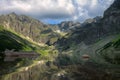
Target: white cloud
(41, 8)
(56, 9)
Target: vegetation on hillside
(9, 40)
(111, 51)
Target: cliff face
(113, 9)
(111, 19)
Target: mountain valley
(68, 50)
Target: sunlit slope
(9, 40)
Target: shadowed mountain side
(91, 32)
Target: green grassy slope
(111, 51)
(9, 40)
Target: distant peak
(13, 13)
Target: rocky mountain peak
(114, 9)
(13, 14)
(67, 25)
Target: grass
(111, 51)
(9, 40)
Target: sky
(55, 11)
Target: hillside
(111, 51)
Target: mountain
(96, 19)
(23, 33)
(29, 27)
(91, 32)
(66, 26)
(36, 30)
(87, 51)
(95, 45)
(113, 9)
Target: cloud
(91, 8)
(56, 9)
(39, 8)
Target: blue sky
(52, 21)
(55, 11)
